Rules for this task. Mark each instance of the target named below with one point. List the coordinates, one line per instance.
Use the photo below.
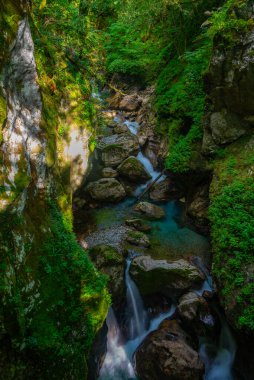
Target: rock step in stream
(174, 340)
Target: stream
(167, 235)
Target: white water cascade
(118, 361)
(219, 366)
(136, 314)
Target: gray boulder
(106, 190)
(160, 276)
(150, 210)
(109, 173)
(167, 354)
(116, 148)
(133, 170)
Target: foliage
(63, 263)
(146, 35)
(230, 21)
(232, 215)
(179, 158)
(55, 324)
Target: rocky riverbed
(166, 263)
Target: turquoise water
(170, 237)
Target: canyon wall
(52, 298)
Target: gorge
(126, 194)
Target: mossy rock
(109, 261)
(160, 276)
(150, 210)
(138, 224)
(105, 255)
(138, 238)
(133, 170)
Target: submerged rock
(109, 261)
(138, 224)
(138, 238)
(161, 276)
(150, 210)
(167, 354)
(134, 170)
(106, 190)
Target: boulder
(109, 261)
(198, 203)
(113, 155)
(189, 306)
(195, 314)
(138, 224)
(160, 276)
(150, 210)
(167, 354)
(106, 190)
(226, 127)
(116, 148)
(161, 191)
(138, 238)
(109, 173)
(130, 103)
(121, 129)
(134, 170)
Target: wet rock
(130, 103)
(109, 173)
(106, 190)
(164, 190)
(138, 224)
(116, 148)
(138, 238)
(167, 354)
(150, 210)
(133, 169)
(160, 276)
(109, 261)
(121, 129)
(190, 305)
(198, 203)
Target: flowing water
(219, 358)
(118, 363)
(167, 236)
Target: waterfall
(118, 361)
(219, 366)
(133, 126)
(135, 309)
(116, 365)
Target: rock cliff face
(230, 83)
(24, 143)
(45, 326)
(229, 128)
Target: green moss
(231, 215)
(106, 254)
(71, 302)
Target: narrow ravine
(217, 351)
